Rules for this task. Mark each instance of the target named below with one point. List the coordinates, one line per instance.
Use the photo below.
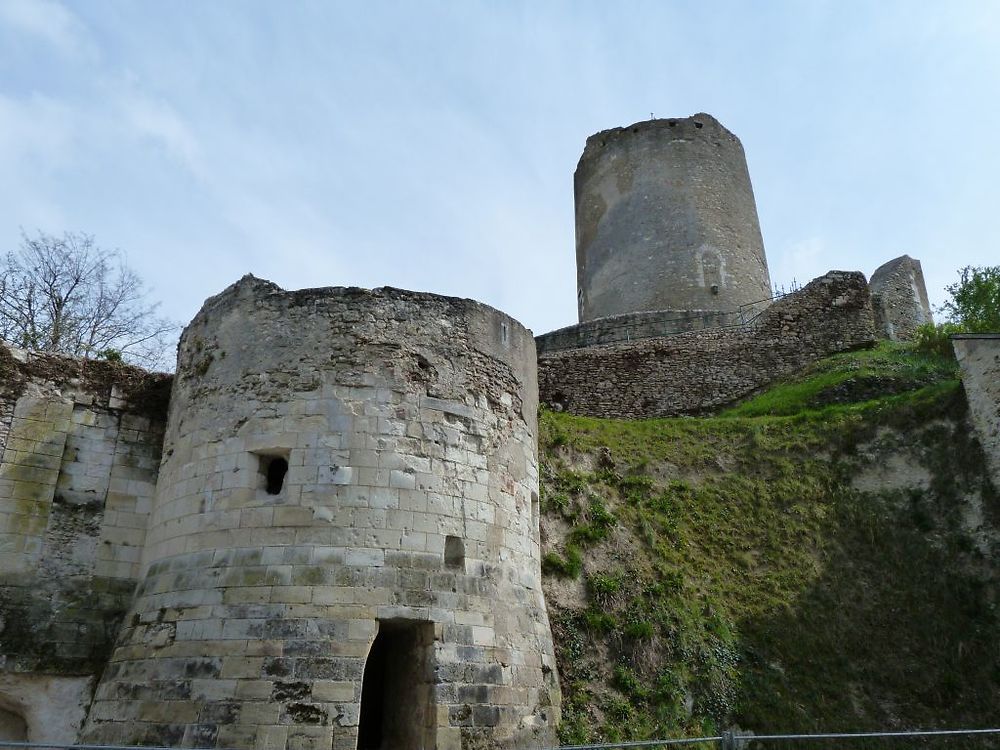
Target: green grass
(733, 575)
(849, 380)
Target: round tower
(343, 550)
(666, 220)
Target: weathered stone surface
(666, 220)
(700, 370)
(79, 451)
(640, 325)
(899, 299)
(408, 516)
(43, 708)
(979, 357)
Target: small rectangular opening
(454, 553)
(272, 470)
(397, 691)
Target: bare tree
(67, 295)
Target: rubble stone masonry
(899, 299)
(701, 370)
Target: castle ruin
(323, 531)
(339, 548)
(676, 310)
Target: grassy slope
(741, 569)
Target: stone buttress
(343, 549)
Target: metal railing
(653, 327)
(59, 746)
(738, 740)
(724, 741)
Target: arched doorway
(13, 727)
(397, 693)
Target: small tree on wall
(974, 306)
(67, 295)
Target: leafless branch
(67, 295)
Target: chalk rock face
(899, 298)
(666, 220)
(978, 356)
(343, 549)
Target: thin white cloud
(434, 148)
(50, 21)
(36, 140)
(156, 119)
(35, 133)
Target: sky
(431, 145)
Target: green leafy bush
(974, 306)
(565, 567)
(934, 339)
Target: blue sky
(432, 145)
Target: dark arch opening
(277, 467)
(397, 689)
(13, 727)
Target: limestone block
(281, 584)
(979, 358)
(700, 370)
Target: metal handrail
(739, 315)
(733, 739)
(728, 739)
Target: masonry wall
(641, 325)
(899, 299)
(979, 358)
(79, 451)
(666, 220)
(408, 423)
(701, 370)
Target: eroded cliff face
(79, 451)
(978, 356)
(820, 558)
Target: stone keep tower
(666, 220)
(343, 550)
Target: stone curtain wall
(979, 357)
(405, 531)
(79, 451)
(701, 370)
(899, 299)
(632, 326)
